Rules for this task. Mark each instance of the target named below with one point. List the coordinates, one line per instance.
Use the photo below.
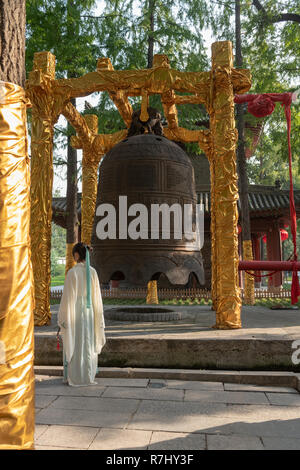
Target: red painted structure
(269, 265)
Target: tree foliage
(131, 32)
(64, 28)
(271, 50)
(126, 30)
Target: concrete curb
(286, 379)
(171, 352)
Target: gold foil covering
(43, 119)
(144, 116)
(214, 295)
(104, 142)
(70, 262)
(88, 201)
(249, 286)
(134, 82)
(152, 297)
(224, 137)
(16, 280)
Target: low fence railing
(272, 293)
(169, 294)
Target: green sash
(88, 280)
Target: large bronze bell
(148, 169)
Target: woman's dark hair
(80, 248)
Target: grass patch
(268, 303)
(121, 301)
(186, 302)
(58, 280)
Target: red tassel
(57, 344)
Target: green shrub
(58, 270)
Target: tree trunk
(71, 216)
(151, 31)
(12, 41)
(241, 159)
(242, 171)
(275, 17)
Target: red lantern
(284, 234)
(264, 238)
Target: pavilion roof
(265, 200)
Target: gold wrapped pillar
(89, 182)
(16, 280)
(224, 137)
(249, 293)
(214, 295)
(70, 262)
(43, 119)
(87, 130)
(152, 297)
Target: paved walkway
(257, 322)
(158, 414)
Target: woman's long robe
(82, 328)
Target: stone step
(271, 378)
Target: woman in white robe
(81, 320)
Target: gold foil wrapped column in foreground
(224, 137)
(16, 280)
(43, 119)
(249, 293)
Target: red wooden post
(274, 252)
(256, 256)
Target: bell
(133, 241)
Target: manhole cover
(141, 314)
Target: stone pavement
(162, 414)
(257, 322)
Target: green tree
(270, 34)
(132, 32)
(64, 28)
(58, 244)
